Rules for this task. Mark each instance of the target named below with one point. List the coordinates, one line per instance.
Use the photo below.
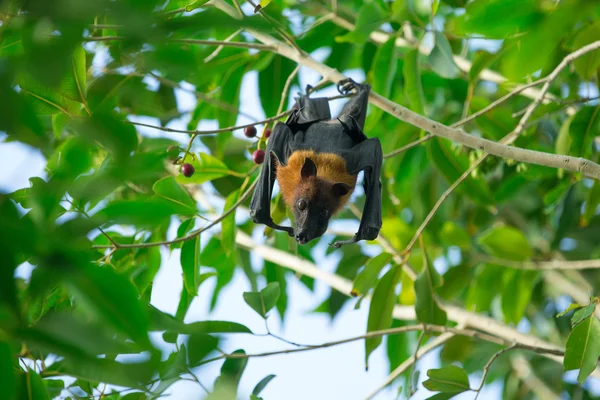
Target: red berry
(250, 131)
(267, 133)
(188, 170)
(258, 156)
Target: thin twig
(395, 331)
(194, 233)
(408, 146)
(241, 45)
(486, 368)
(438, 341)
(114, 246)
(221, 130)
(412, 390)
(286, 88)
(216, 52)
(278, 27)
(541, 265)
(506, 140)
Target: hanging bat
(316, 160)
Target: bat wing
(367, 156)
(307, 111)
(277, 151)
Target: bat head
(315, 200)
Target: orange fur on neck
(330, 167)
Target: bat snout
(302, 238)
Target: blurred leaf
(413, 87)
(228, 229)
(583, 348)
(199, 346)
(382, 306)
(190, 264)
(370, 17)
(450, 379)
(584, 126)
(572, 306)
(7, 371)
(113, 298)
(142, 212)
(516, 295)
(452, 165)
(427, 307)
(262, 384)
(262, 302)
(367, 277)
(441, 58)
(382, 76)
(33, 386)
(271, 82)
(506, 242)
(231, 372)
(591, 203)
(454, 235)
(588, 64)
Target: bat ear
(340, 189)
(309, 168)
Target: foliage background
(74, 75)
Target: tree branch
(587, 167)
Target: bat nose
(301, 238)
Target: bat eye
(302, 204)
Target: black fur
(310, 127)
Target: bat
(316, 161)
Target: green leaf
(572, 306)
(7, 371)
(452, 165)
(516, 295)
(370, 17)
(200, 345)
(228, 227)
(262, 302)
(592, 201)
(413, 88)
(588, 64)
(367, 277)
(74, 86)
(46, 99)
(441, 58)
(207, 168)
(380, 310)
(110, 131)
(583, 129)
(481, 60)
(113, 298)
(583, 348)
(144, 212)
(450, 379)
(262, 384)
(169, 189)
(382, 76)
(454, 235)
(427, 307)
(271, 82)
(434, 7)
(190, 264)
(231, 372)
(33, 386)
(583, 313)
(506, 242)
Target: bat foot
(340, 243)
(345, 86)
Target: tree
(491, 189)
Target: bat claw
(345, 86)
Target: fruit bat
(316, 161)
